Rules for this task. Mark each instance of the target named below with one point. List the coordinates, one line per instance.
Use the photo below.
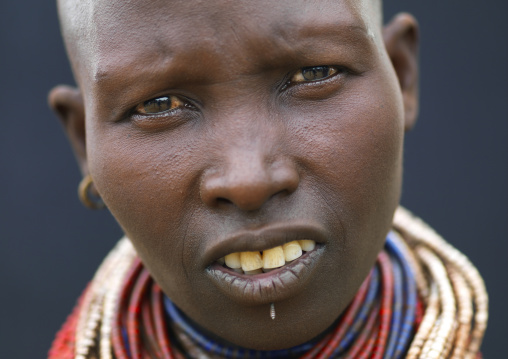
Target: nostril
(222, 201)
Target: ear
(67, 103)
(401, 40)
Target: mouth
(275, 264)
(255, 262)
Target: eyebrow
(340, 29)
(350, 36)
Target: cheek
(148, 187)
(353, 153)
(354, 143)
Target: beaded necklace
(422, 299)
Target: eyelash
(143, 108)
(336, 70)
(296, 78)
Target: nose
(248, 180)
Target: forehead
(108, 35)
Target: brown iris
(159, 105)
(313, 73)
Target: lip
(276, 285)
(261, 239)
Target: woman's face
(226, 126)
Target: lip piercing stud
(272, 311)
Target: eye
(313, 73)
(159, 105)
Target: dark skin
(203, 139)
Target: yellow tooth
(233, 260)
(307, 244)
(237, 270)
(252, 272)
(273, 258)
(292, 250)
(251, 260)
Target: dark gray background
(456, 164)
